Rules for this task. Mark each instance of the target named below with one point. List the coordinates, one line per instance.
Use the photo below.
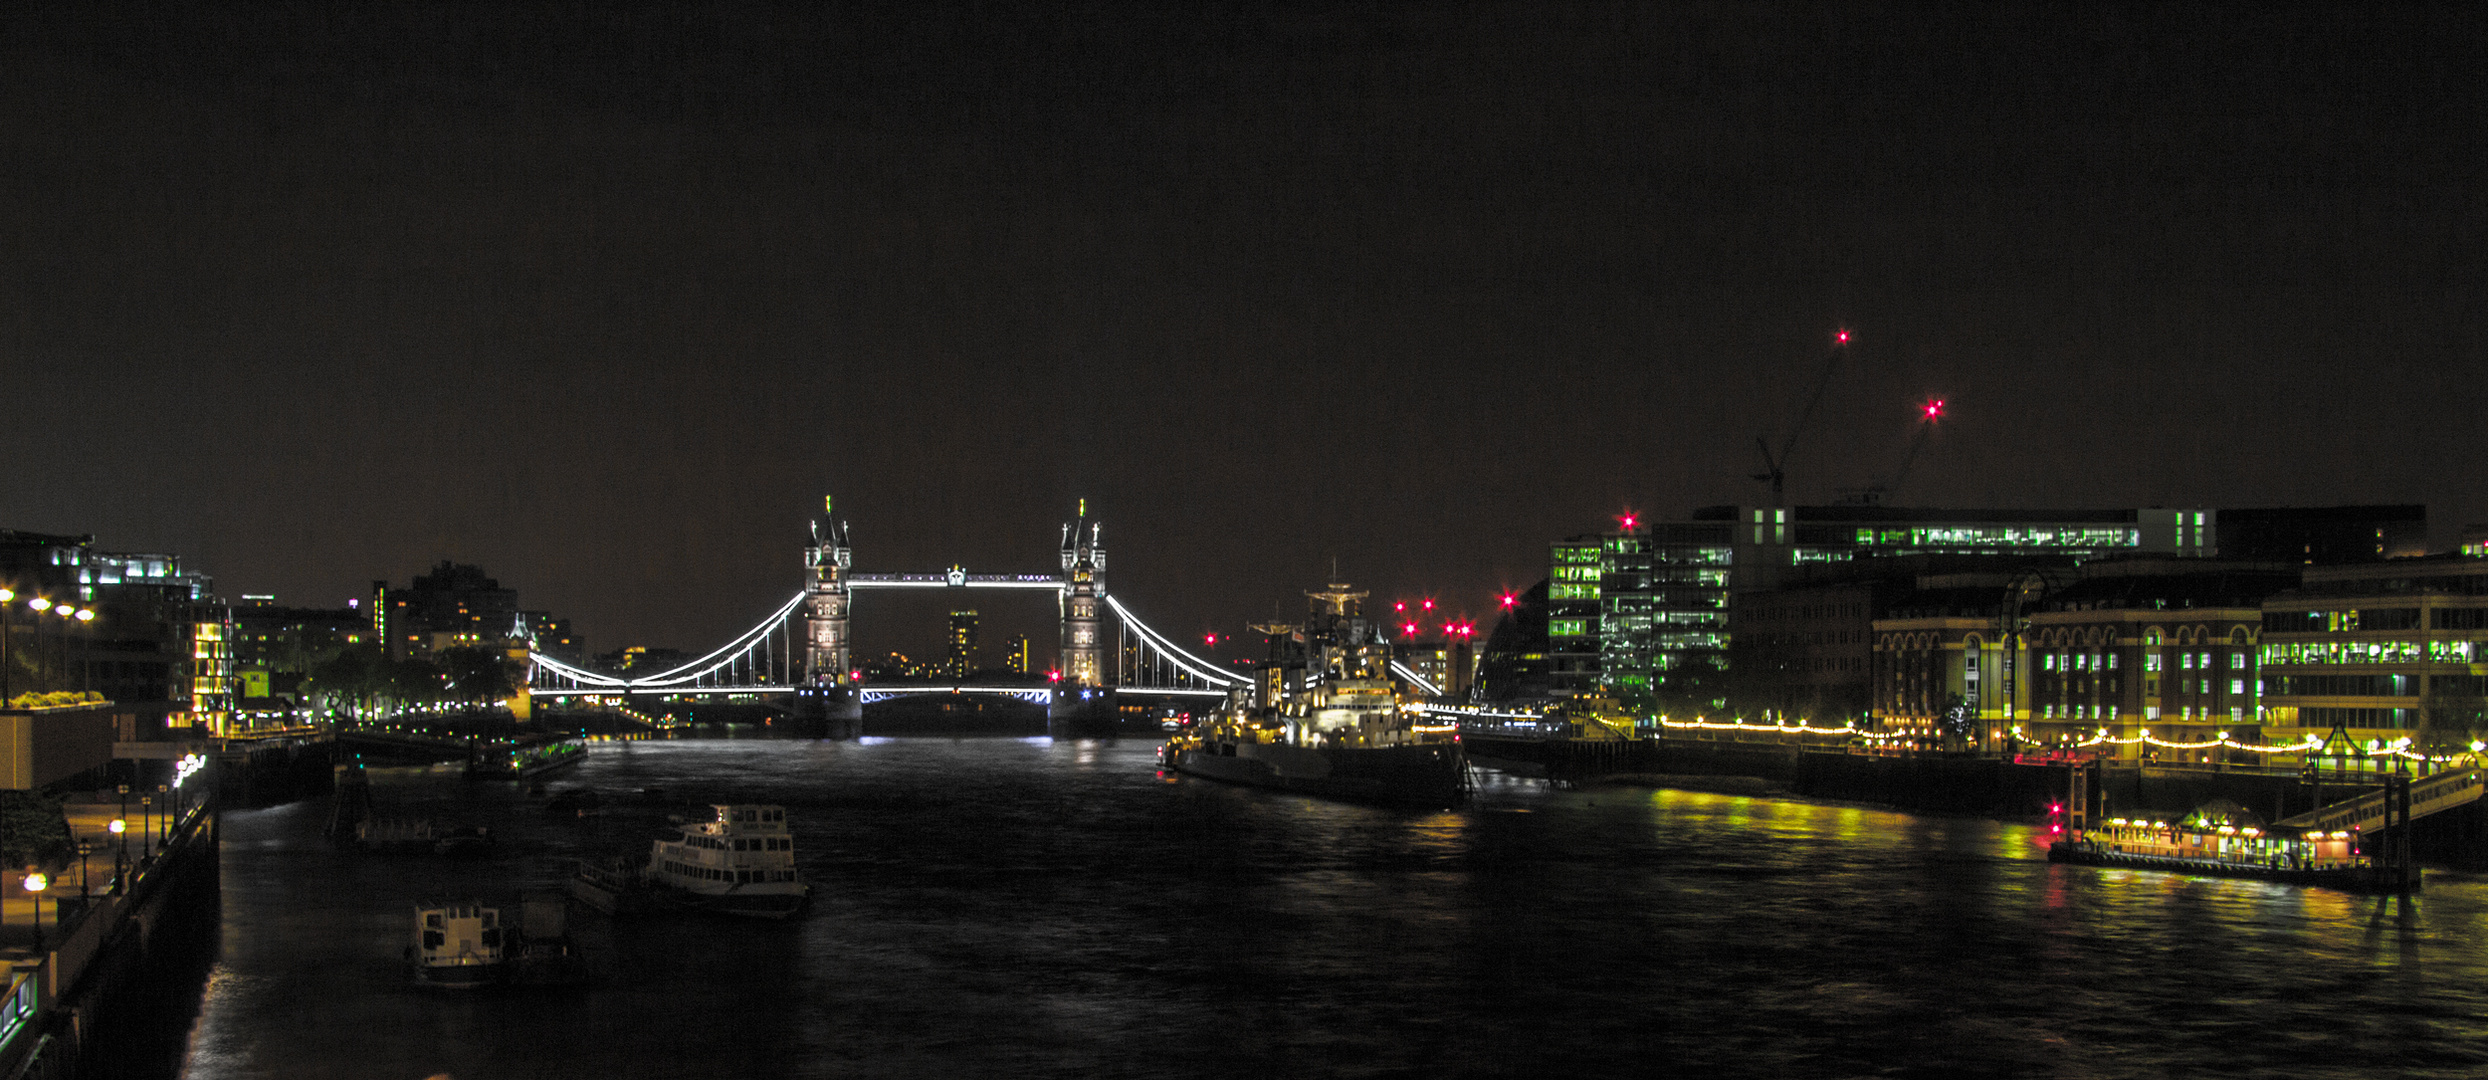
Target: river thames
(1002, 907)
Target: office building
(2380, 652)
(962, 659)
(454, 606)
(2056, 658)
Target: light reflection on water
(1029, 907)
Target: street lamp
(7, 597)
(34, 888)
(43, 656)
(86, 847)
(86, 662)
(120, 835)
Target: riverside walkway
(84, 949)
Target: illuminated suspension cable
(677, 676)
(1193, 665)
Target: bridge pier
(828, 712)
(1082, 712)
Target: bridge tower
(1084, 588)
(827, 656)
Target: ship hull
(618, 891)
(750, 904)
(1429, 774)
(459, 976)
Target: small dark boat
(571, 802)
(463, 842)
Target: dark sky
(605, 297)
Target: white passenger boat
(741, 862)
(457, 945)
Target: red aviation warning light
(1429, 605)
(1630, 519)
(1410, 628)
(1054, 676)
(1399, 605)
(1840, 338)
(1509, 600)
(1933, 409)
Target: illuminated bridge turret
(827, 561)
(1084, 588)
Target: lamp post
(43, 656)
(86, 652)
(34, 888)
(146, 824)
(7, 597)
(120, 857)
(86, 847)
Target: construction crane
(1930, 412)
(1775, 466)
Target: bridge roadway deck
(768, 690)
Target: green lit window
(1568, 627)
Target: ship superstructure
(1326, 716)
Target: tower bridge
(803, 649)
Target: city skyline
(1421, 295)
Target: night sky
(605, 297)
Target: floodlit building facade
(2380, 652)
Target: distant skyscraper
(1015, 656)
(962, 644)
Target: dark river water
(1032, 908)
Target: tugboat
(741, 862)
(457, 946)
(1326, 717)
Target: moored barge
(2328, 859)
